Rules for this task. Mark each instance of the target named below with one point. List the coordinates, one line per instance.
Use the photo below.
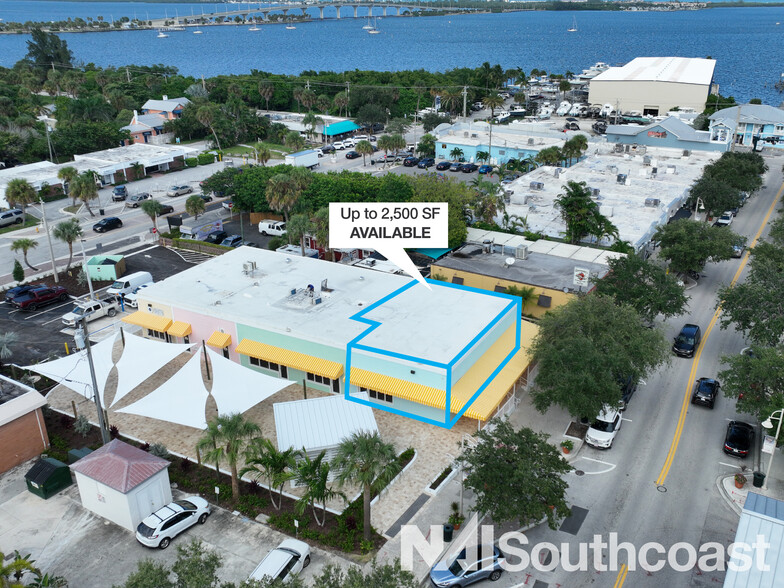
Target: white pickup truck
(91, 310)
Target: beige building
(654, 85)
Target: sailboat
(573, 28)
(198, 30)
(254, 27)
(368, 26)
(373, 30)
(161, 34)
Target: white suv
(602, 432)
(339, 145)
(9, 217)
(287, 559)
(158, 529)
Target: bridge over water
(387, 9)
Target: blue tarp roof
(344, 126)
(433, 253)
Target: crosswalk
(194, 257)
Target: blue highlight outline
(448, 422)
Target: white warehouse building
(655, 85)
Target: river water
(746, 42)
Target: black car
(411, 161)
(205, 197)
(352, 155)
(687, 341)
(426, 163)
(216, 237)
(327, 149)
(739, 439)
(628, 388)
(469, 168)
(166, 209)
(107, 224)
(456, 167)
(442, 165)
(119, 193)
(705, 392)
(17, 291)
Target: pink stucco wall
(203, 326)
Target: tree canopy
(585, 348)
(755, 379)
(45, 49)
(581, 214)
(688, 245)
(516, 475)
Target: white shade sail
(73, 370)
(141, 358)
(237, 388)
(181, 399)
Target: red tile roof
(119, 466)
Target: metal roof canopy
(319, 424)
(345, 126)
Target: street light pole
(767, 423)
(49, 240)
(87, 273)
(85, 338)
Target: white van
(129, 283)
(272, 227)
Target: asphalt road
(658, 481)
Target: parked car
(339, 145)
(687, 341)
(571, 126)
(119, 193)
(485, 169)
(11, 217)
(40, 296)
(132, 298)
(485, 562)
(216, 237)
(426, 163)
(604, 429)
(628, 388)
(724, 220)
(179, 190)
(134, 200)
(410, 161)
(232, 241)
(107, 224)
(442, 165)
(287, 559)
(166, 209)
(705, 392)
(91, 310)
(352, 155)
(205, 197)
(158, 529)
(328, 149)
(739, 439)
(456, 167)
(272, 227)
(227, 205)
(737, 250)
(12, 293)
(469, 168)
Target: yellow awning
(398, 388)
(148, 320)
(179, 329)
(219, 340)
(292, 359)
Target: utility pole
(84, 336)
(49, 239)
(465, 97)
(348, 99)
(127, 75)
(735, 133)
(87, 273)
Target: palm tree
(323, 103)
(314, 475)
(294, 140)
(17, 568)
(297, 227)
(263, 153)
(68, 231)
(321, 229)
(397, 142)
(263, 460)
(85, 189)
(456, 153)
(482, 156)
(206, 115)
(7, 340)
(364, 148)
(67, 175)
(297, 93)
(194, 206)
(366, 459)
(311, 121)
(340, 101)
(493, 101)
(281, 194)
(152, 208)
(24, 245)
(308, 98)
(385, 143)
(20, 193)
(266, 91)
(233, 433)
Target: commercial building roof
(17, 400)
(764, 516)
(671, 124)
(120, 466)
(681, 70)
(319, 424)
(313, 299)
(538, 269)
(167, 104)
(758, 114)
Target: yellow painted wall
(489, 283)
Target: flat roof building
(654, 85)
(433, 354)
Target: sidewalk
(736, 497)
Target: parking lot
(65, 539)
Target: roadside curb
(722, 483)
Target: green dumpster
(47, 477)
(75, 455)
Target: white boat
(253, 28)
(291, 27)
(373, 30)
(573, 28)
(368, 26)
(563, 108)
(197, 32)
(162, 35)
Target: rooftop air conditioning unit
(531, 141)
(627, 148)
(248, 267)
(557, 172)
(646, 160)
(621, 178)
(536, 186)
(487, 245)
(613, 169)
(671, 169)
(474, 135)
(619, 147)
(465, 134)
(521, 252)
(686, 153)
(595, 191)
(652, 202)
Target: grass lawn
(30, 222)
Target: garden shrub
(206, 158)
(191, 161)
(159, 450)
(82, 426)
